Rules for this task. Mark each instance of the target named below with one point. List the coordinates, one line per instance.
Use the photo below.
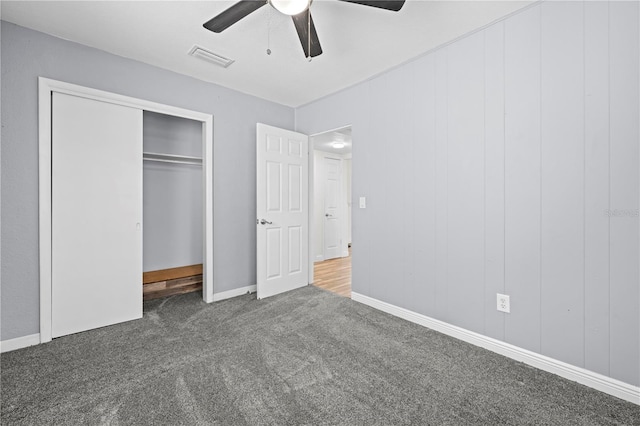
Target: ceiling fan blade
(394, 5)
(233, 14)
(301, 21)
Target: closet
(125, 198)
(172, 205)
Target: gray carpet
(307, 357)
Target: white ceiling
(324, 141)
(358, 41)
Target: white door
(96, 214)
(282, 210)
(332, 230)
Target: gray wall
(27, 54)
(492, 165)
(172, 194)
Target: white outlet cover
(503, 303)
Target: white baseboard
(597, 381)
(319, 258)
(19, 342)
(233, 293)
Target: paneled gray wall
(27, 54)
(507, 161)
(172, 195)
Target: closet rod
(171, 158)
(160, 160)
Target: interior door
(282, 210)
(96, 214)
(332, 242)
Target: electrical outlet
(503, 303)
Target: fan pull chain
(269, 32)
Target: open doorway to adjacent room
(331, 224)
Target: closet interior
(172, 205)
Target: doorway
(172, 205)
(331, 210)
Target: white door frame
(45, 89)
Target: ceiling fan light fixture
(290, 7)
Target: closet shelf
(171, 158)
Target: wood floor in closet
(167, 282)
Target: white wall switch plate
(363, 202)
(504, 304)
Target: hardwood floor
(334, 275)
(167, 282)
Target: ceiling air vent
(209, 56)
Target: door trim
(45, 89)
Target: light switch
(363, 202)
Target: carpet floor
(307, 357)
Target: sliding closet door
(96, 214)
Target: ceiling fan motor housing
(300, 13)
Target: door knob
(265, 222)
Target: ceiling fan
(299, 12)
